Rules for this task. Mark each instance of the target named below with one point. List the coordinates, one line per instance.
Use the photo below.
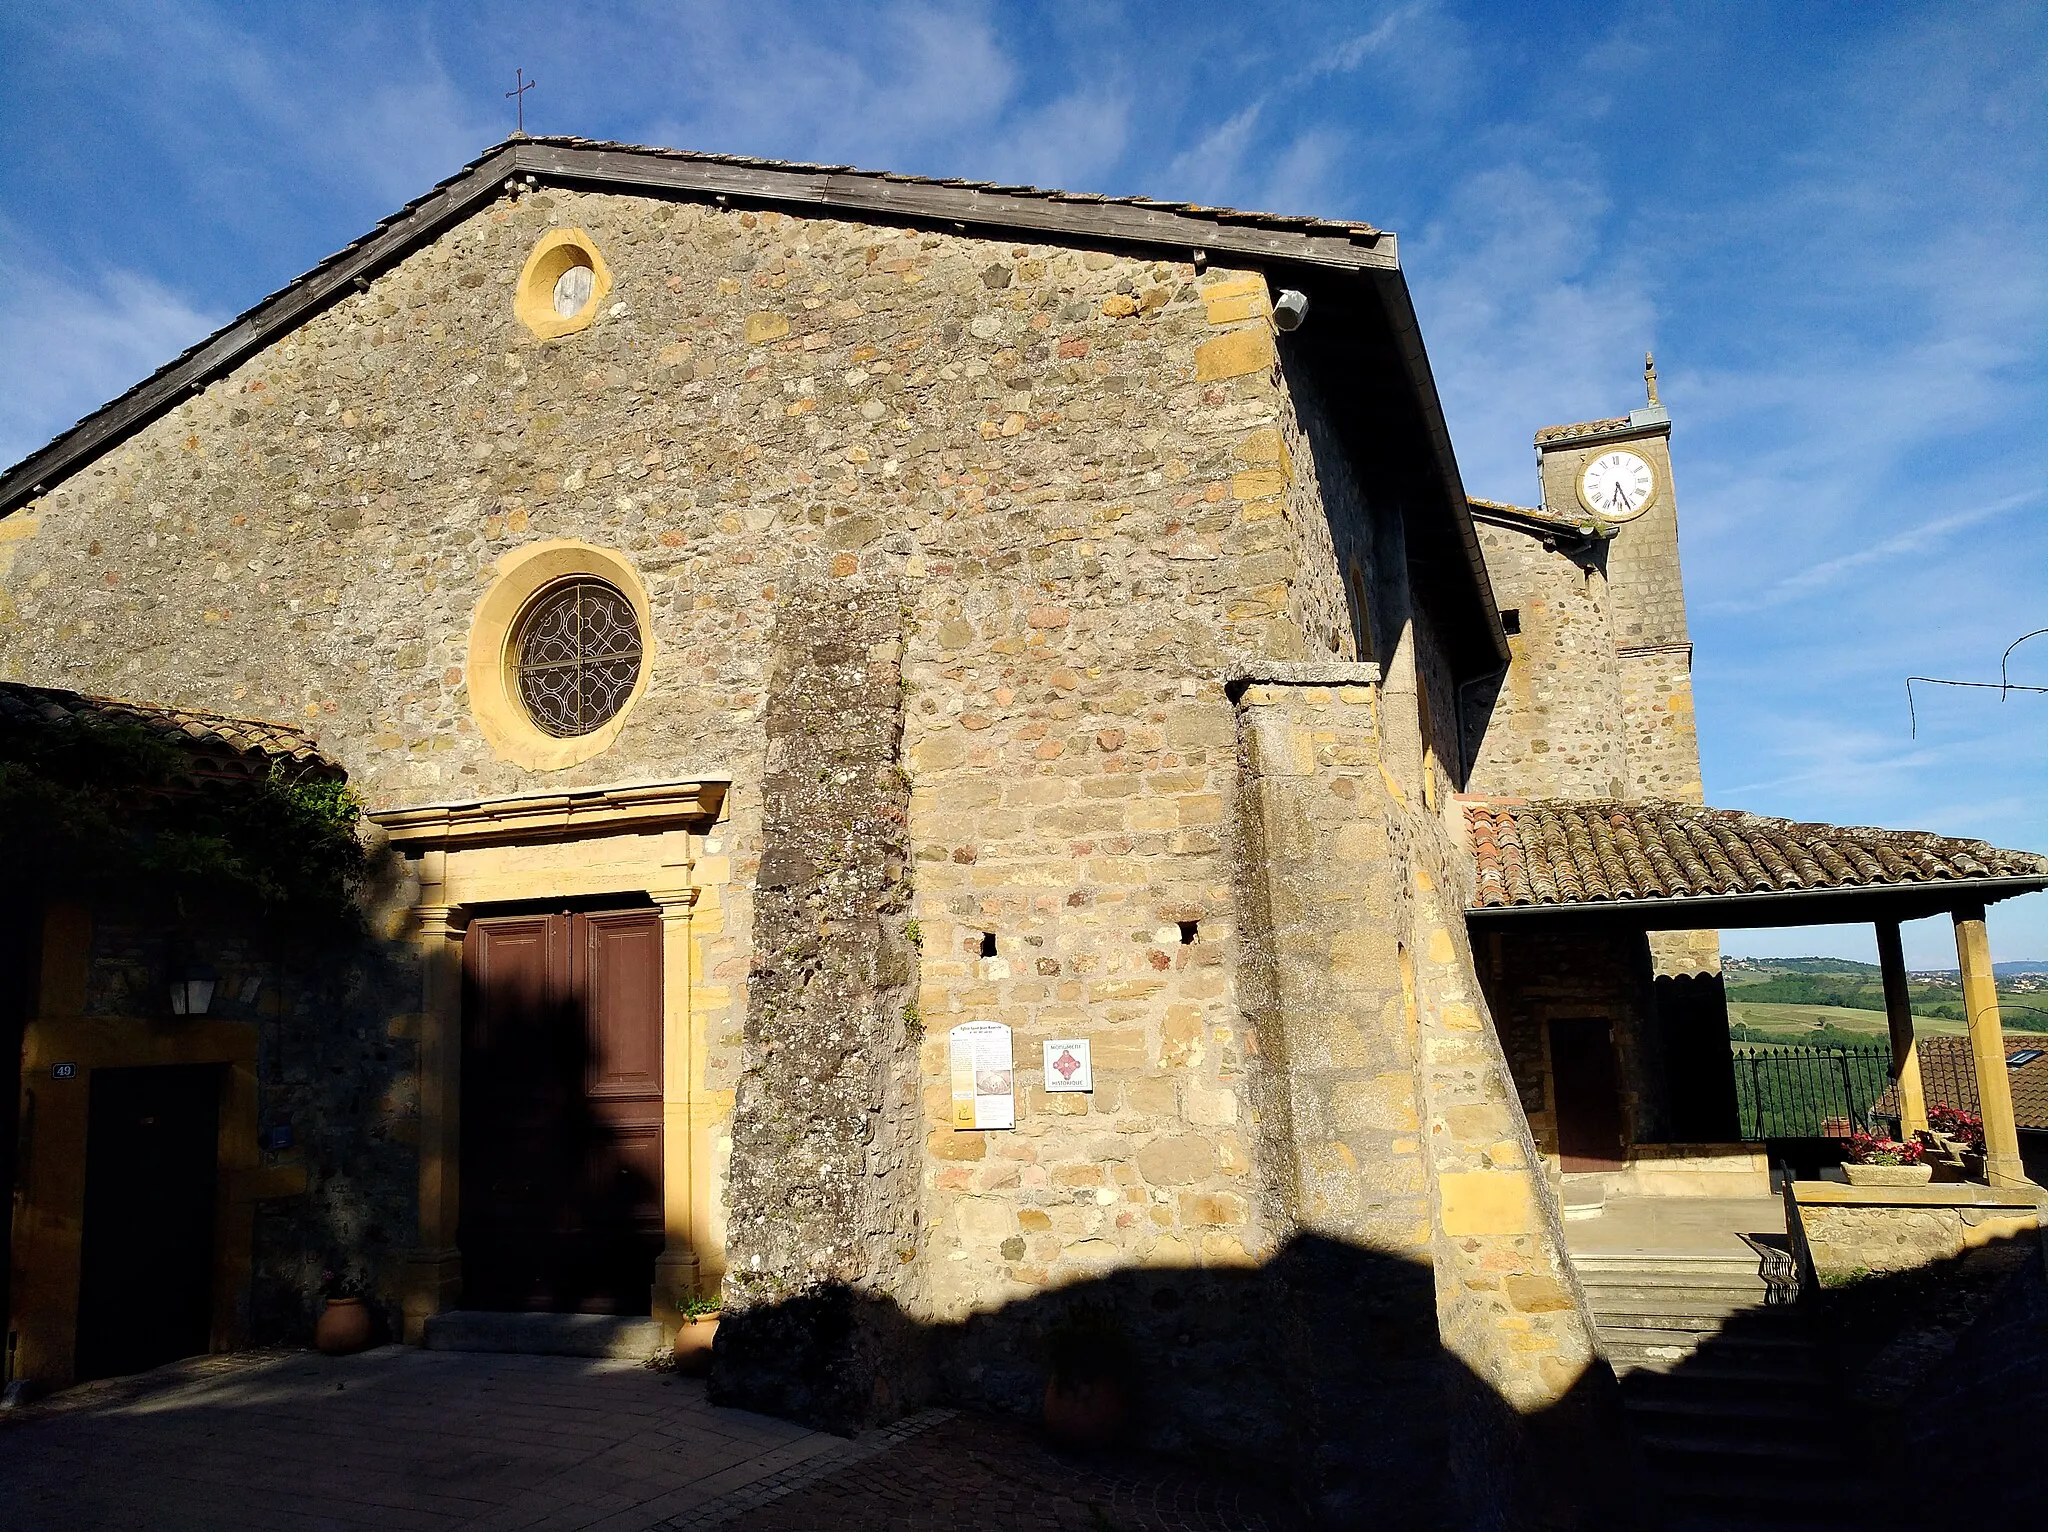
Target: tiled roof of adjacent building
(1538, 523)
(1577, 853)
(1948, 1077)
(1581, 428)
(217, 745)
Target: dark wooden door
(145, 1282)
(1588, 1087)
(561, 1111)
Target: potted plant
(696, 1333)
(1964, 1129)
(1088, 1394)
(1877, 1161)
(344, 1323)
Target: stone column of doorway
(1987, 1050)
(1898, 1011)
(433, 1277)
(675, 1269)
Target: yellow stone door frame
(640, 839)
(49, 1207)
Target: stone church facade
(970, 605)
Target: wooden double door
(561, 1111)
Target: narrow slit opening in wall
(988, 944)
(1189, 930)
(1511, 620)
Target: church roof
(1310, 252)
(217, 747)
(1581, 855)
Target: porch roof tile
(219, 746)
(1569, 852)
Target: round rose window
(577, 653)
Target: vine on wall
(106, 807)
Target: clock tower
(1618, 473)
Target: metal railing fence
(1808, 1092)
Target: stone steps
(614, 1336)
(1722, 1387)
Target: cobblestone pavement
(395, 1439)
(973, 1471)
(405, 1439)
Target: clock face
(1617, 485)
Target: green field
(1794, 1020)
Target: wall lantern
(192, 985)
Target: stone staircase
(1737, 1421)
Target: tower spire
(1650, 375)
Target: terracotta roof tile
(1949, 1077)
(1581, 428)
(219, 746)
(1570, 852)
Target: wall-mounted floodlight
(1290, 309)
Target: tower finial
(1650, 375)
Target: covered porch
(1594, 925)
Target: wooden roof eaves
(1392, 285)
(1068, 214)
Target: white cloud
(76, 340)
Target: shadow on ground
(1318, 1375)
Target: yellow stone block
(1257, 484)
(766, 326)
(1237, 299)
(1232, 310)
(1485, 1202)
(1234, 355)
(1265, 446)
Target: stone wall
(1854, 1231)
(327, 1069)
(1531, 979)
(825, 1181)
(1076, 465)
(1549, 732)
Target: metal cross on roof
(519, 96)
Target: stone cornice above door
(636, 809)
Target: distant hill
(1850, 965)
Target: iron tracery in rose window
(578, 657)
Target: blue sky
(1828, 220)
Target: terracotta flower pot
(1888, 1175)
(1089, 1413)
(693, 1345)
(344, 1327)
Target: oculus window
(577, 655)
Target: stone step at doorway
(618, 1337)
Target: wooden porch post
(1898, 1010)
(1987, 1050)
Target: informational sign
(1067, 1065)
(63, 1071)
(984, 1092)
